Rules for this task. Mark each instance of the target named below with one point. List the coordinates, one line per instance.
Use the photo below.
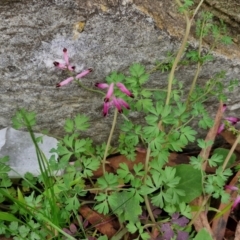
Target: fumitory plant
(151, 198)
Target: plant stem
(205, 199)
(182, 47)
(155, 89)
(109, 140)
(179, 54)
(89, 89)
(144, 180)
(197, 8)
(230, 152)
(199, 65)
(146, 163)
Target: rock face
(106, 35)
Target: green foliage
(186, 5)
(162, 187)
(126, 205)
(103, 206)
(23, 118)
(4, 170)
(215, 184)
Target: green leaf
(23, 118)
(193, 55)
(80, 145)
(149, 187)
(205, 122)
(189, 133)
(5, 182)
(127, 126)
(103, 238)
(81, 122)
(69, 126)
(90, 165)
(131, 227)
(161, 155)
(215, 160)
(62, 150)
(126, 205)
(145, 236)
(2, 228)
(139, 169)
(185, 210)
(151, 131)
(8, 217)
(204, 144)
(137, 70)
(226, 40)
(190, 182)
(13, 226)
(203, 234)
(72, 204)
(196, 162)
(151, 120)
(143, 78)
(115, 77)
(35, 236)
(103, 206)
(124, 172)
(224, 152)
(133, 81)
(108, 180)
(157, 200)
(144, 104)
(68, 140)
(23, 230)
(146, 93)
(166, 111)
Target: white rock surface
(19, 147)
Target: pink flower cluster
(232, 120)
(111, 100)
(67, 66)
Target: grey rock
(116, 34)
(19, 147)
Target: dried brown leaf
(104, 224)
(230, 138)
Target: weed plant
(149, 198)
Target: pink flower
(124, 90)
(109, 92)
(80, 75)
(66, 65)
(237, 200)
(117, 102)
(233, 188)
(232, 120)
(111, 100)
(106, 106)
